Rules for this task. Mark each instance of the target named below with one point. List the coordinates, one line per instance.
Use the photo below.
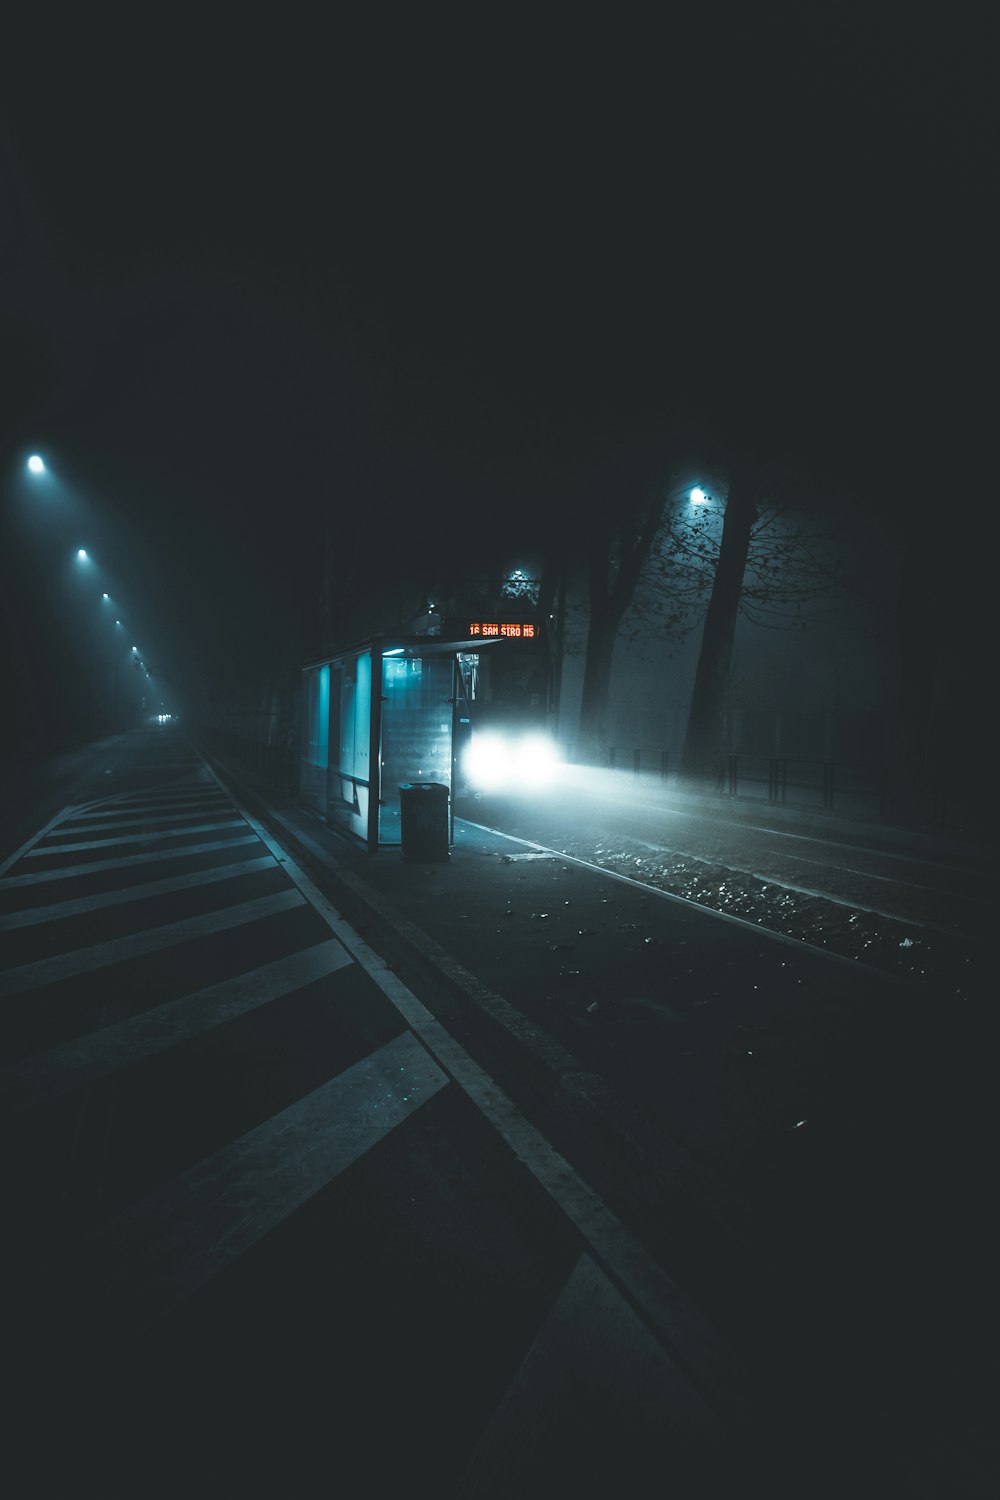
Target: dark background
(423, 271)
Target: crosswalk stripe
(143, 821)
(164, 794)
(123, 861)
(129, 838)
(677, 1322)
(151, 940)
(33, 915)
(150, 798)
(28, 845)
(37, 1080)
(189, 807)
(170, 1244)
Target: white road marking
(129, 838)
(153, 940)
(188, 809)
(143, 821)
(29, 844)
(768, 934)
(123, 861)
(677, 1323)
(37, 1080)
(33, 915)
(169, 1244)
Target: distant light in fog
(499, 762)
(82, 554)
(698, 497)
(105, 596)
(36, 465)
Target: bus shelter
(392, 711)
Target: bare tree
(771, 561)
(619, 545)
(706, 720)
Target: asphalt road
(805, 1140)
(270, 1222)
(500, 1175)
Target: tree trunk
(593, 736)
(704, 744)
(552, 613)
(636, 531)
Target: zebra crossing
(104, 946)
(206, 1075)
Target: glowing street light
(106, 596)
(82, 554)
(698, 496)
(36, 465)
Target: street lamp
(36, 465)
(698, 496)
(82, 554)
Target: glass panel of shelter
(416, 743)
(350, 710)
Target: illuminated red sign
(485, 628)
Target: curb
(626, 1156)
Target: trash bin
(423, 817)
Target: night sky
(423, 268)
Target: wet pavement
(668, 1199)
(270, 1224)
(803, 1140)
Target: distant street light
(105, 596)
(36, 465)
(698, 497)
(82, 554)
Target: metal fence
(254, 740)
(853, 788)
(860, 788)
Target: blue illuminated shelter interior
(375, 718)
(395, 710)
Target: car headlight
(534, 760)
(495, 762)
(486, 761)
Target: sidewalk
(489, 928)
(270, 1218)
(672, 1058)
